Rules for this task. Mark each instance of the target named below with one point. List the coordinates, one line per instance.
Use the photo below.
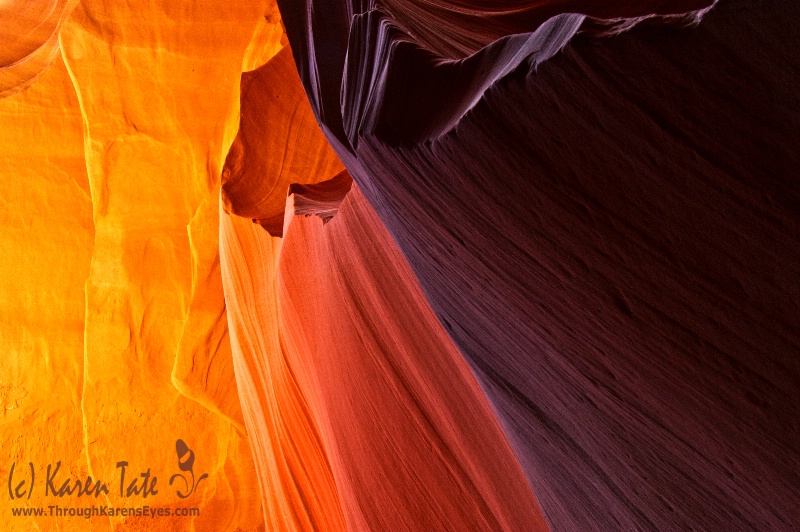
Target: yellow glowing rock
(111, 286)
(46, 238)
(203, 368)
(268, 39)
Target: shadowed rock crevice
(609, 238)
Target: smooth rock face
(609, 237)
(278, 143)
(29, 39)
(114, 327)
(153, 154)
(335, 343)
(561, 289)
(46, 235)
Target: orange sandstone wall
(112, 318)
(45, 250)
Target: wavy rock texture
(337, 348)
(155, 313)
(294, 474)
(607, 228)
(29, 39)
(458, 28)
(560, 290)
(278, 143)
(113, 313)
(47, 233)
(414, 446)
(350, 428)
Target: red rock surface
(606, 227)
(334, 340)
(278, 143)
(560, 290)
(298, 490)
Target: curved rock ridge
(457, 28)
(410, 97)
(350, 385)
(278, 143)
(608, 236)
(444, 31)
(29, 39)
(320, 199)
(297, 486)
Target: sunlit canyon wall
(402, 264)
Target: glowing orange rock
(29, 39)
(278, 143)
(147, 360)
(113, 318)
(294, 474)
(46, 238)
(378, 396)
(203, 369)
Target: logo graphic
(186, 464)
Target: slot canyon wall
(401, 264)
